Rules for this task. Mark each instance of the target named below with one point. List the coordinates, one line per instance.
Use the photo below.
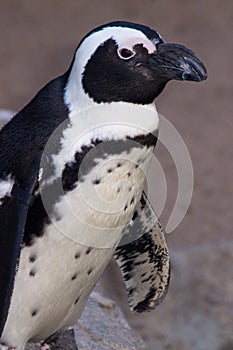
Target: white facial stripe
(130, 43)
(75, 97)
(120, 34)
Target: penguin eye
(125, 54)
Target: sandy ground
(37, 41)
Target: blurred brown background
(37, 41)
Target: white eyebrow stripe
(130, 43)
(119, 34)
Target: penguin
(73, 165)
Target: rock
(102, 326)
(61, 340)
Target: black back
(28, 132)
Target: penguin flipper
(13, 215)
(144, 262)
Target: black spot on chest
(34, 312)
(89, 249)
(32, 258)
(75, 275)
(32, 273)
(90, 271)
(76, 300)
(96, 181)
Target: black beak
(178, 62)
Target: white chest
(59, 270)
(57, 273)
(103, 202)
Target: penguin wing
(13, 215)
(144, 262)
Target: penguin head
(128, 62)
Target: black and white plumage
(68, 198)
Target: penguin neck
(75, 97)
(112, 121)
(106, 121)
